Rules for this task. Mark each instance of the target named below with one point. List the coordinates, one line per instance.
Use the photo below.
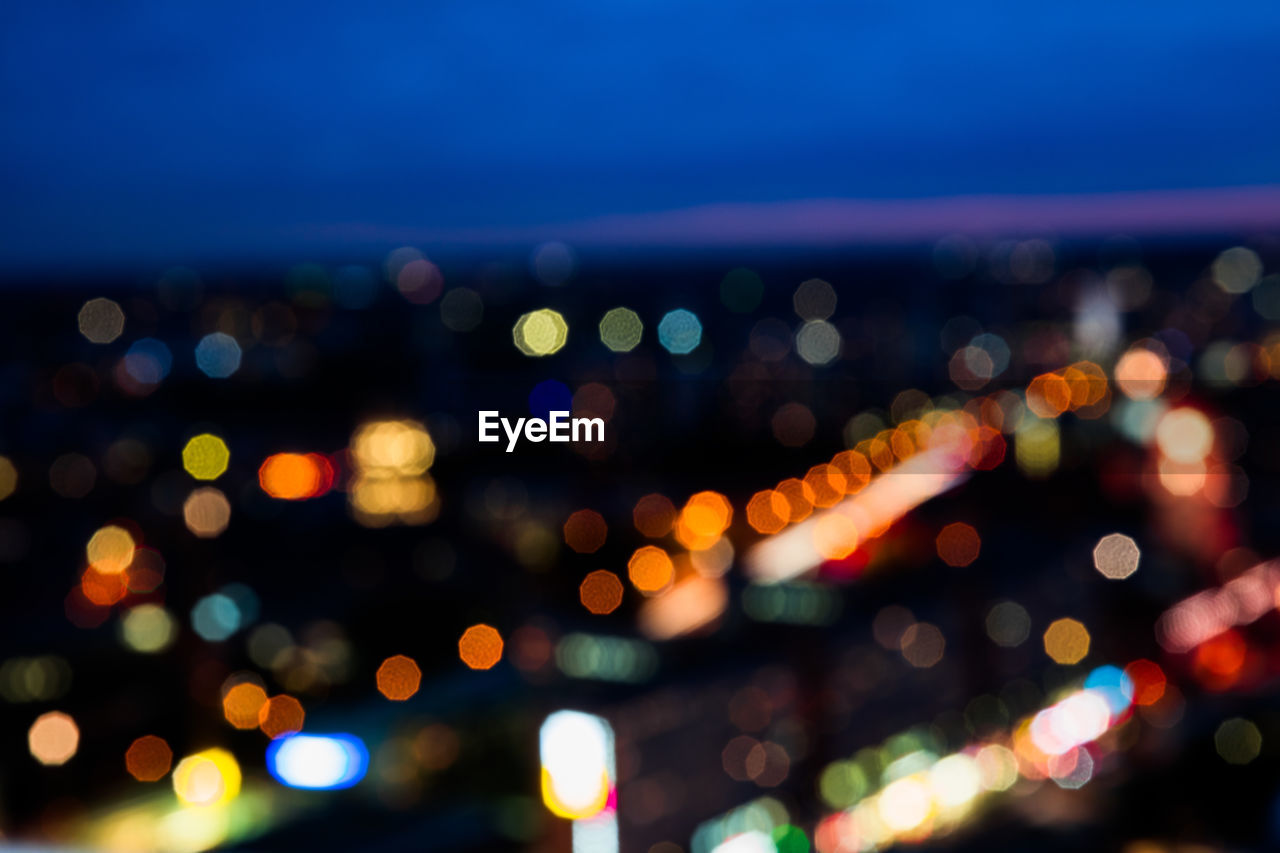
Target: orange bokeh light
(601, 592)
(585, 531)
(103, 589)
(650, 569)
(1148, 681)
(241, 704)
(399, 677)
(958, 544)
(707, 514)
(281, 715)
(148, 758)
(768, 511)
(654, 515)
(295, 476)
(827, 484)
(855, 468)
(799, 498)
(480, 647)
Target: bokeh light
(1008, 624)
(295, 476)
(218, 355)
(585, 531)
(208, 777)
(8, 477)
(215, 617)
(110, 549)
(958, 544)
(148, 628)
(680, 332)
(1238, 741)
(654, 516)
(1066, 641)
(814, 299)
(1237, 269)
(1116, 556)
(1185, 435)
(922, 645)
(768, 512)
(398, 678)
(242, 704)
(601, 592)
(53, 738)
(206, 457)
(207, 512)
(540, 333)
(741, 290)
(621, 329)
(818, 342)
(1141, 374)
(148, 758)
(318, 762)
(281, 715)
(480, 647)
(650, 569)
(100, 320)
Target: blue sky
(154, 131)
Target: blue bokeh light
(318, 762)
(148, 361)
(218, 355)
(1114, 685)
(215, 617)
(548, 396)
(680, 332)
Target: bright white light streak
(597, 834)
(886, 499)
(691, 603)
(578, 771)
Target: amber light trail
(859, 517)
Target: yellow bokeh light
(621, 329)
(391, 459)
(541, 332)
(110, 549)
(394, 447)
(207, 778)
(53, 738)
(206, 457)
(1066, 641)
